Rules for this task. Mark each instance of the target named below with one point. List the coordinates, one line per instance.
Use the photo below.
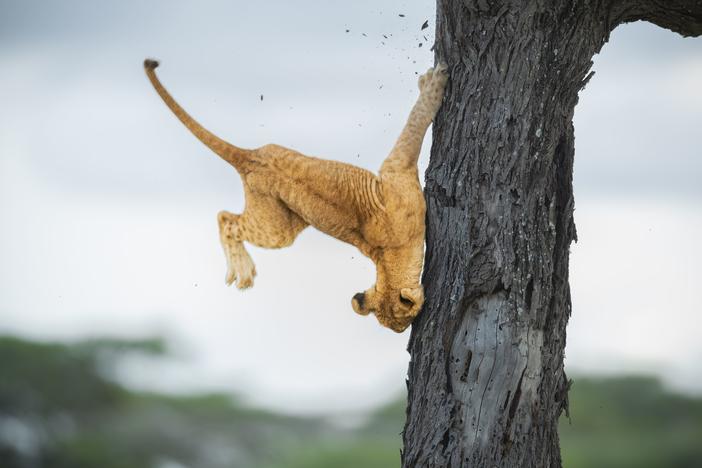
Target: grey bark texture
(486, 380)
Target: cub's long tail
(234, 155)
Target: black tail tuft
(150, 64)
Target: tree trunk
(486, 380)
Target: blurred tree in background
(60, 408)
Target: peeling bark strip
(486, 380)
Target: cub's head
(395, 308)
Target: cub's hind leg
(266, 222)
(240, 267)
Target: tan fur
(383, 216)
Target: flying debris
(425, 25)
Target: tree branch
(681, 16)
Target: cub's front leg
(404, 155)
(397, 296)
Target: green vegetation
(631, 422)
(59, 409)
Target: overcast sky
(108, 205)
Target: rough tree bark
(486, 380)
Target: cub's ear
(358, 302)
(412, 296)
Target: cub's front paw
(433, 91)
(425, 79)
(440, 76)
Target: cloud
(108, 203)
(84, 117)
(637, 119)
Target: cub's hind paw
(230, 277)
(245, 283)
(244, 279)
(241, 268)
(246, 275)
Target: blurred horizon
(61, 406)
(108, 203)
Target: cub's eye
(406, 302)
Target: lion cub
(383, 215)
